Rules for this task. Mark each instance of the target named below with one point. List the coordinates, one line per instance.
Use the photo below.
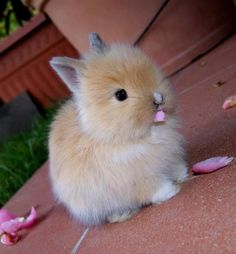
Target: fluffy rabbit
(109, 156)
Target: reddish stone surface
(202, 89)
(201, 219)
(187, 29)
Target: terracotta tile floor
(201, 219)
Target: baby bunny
(110, 153)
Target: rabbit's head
(117, 89)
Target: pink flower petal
(212, 164)
(30, 220)
(159, 116)
(5, 215)
(9, 239)
(229, 102)
(14, 225)
(11, 226)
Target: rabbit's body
(103, 167)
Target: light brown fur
(108, 158)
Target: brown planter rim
(28, 27)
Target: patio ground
(201, 219)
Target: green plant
(12, 14)
(22, 154)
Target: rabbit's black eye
(121, 95)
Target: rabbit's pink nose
(160, 116)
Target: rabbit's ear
(69, 70)
(96, 43)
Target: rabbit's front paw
(166, 191)
(119, 217)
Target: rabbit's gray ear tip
(96, 43)
(93, 36)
